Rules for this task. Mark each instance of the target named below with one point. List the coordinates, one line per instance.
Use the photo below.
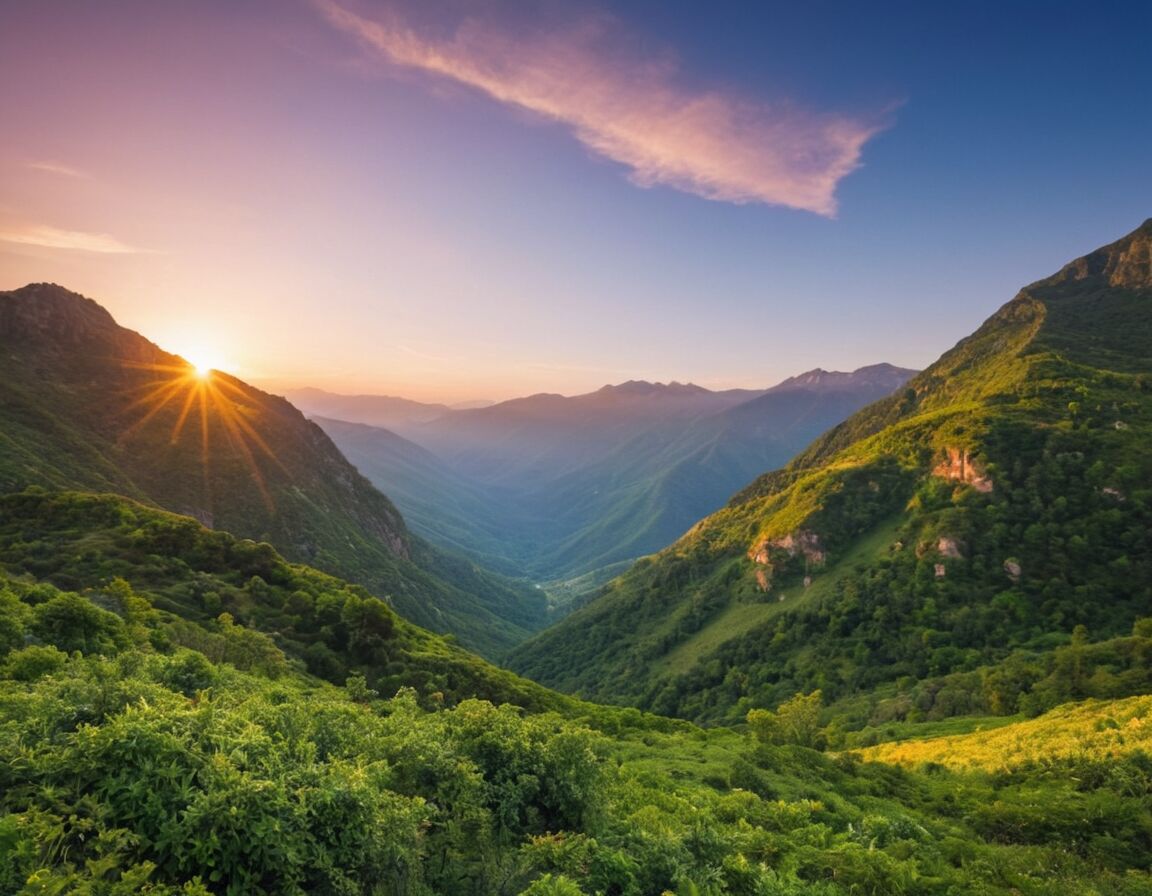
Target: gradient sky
(457, 200)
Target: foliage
(219, 596)
(797, 721)
(132, 769)
(1105, 730)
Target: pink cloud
(635, 112)
(55, 238)
(57, 168)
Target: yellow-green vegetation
(135, 763)
(1009, 485)
(1100, 729)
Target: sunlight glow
(203, 360)
(175, 393)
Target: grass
(1099, 728)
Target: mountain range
(924, 555)
(553, 487)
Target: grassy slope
(1096, 728)
(738, 618)
(83, 541)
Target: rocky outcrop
(949, 548)
(957, 465)
(803, 542)
(1125, 263)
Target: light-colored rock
(949, 547)
(958, 466)
(802, 542)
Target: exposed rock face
(958, 466)
(949, 547)
(1125, 263)
(1012, 570)
(802, 542)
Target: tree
(796, 721)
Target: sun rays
(198, 396)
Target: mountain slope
(992, 506)
(191, 574)
(557, 487)
(438, 502)
(87, 404)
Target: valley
(913, 659)
(584, 448)
(553, 489)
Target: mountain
(386, 411)
(926, 556)
(556, 488)
(86, 404)
(438, 502)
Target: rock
(949, 547)
(958, 466)
(801, 542)
(1012, 569)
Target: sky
(477, 199)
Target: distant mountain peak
(644, 387)
(1125, 263)
(889, 375)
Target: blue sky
(453, 200)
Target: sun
(204, 361)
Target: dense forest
(154, 747)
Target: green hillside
(193, 576)
(977, 518)
(161, 735)
(86, 404)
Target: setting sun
(203, 361)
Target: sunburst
(202, 392)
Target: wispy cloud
(635, 111)
(57, 168)
(55, 238)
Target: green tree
(796, 721)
